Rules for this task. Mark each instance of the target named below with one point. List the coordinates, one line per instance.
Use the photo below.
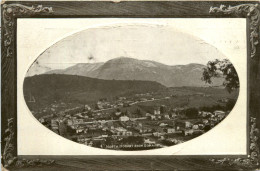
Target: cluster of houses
(120, 102)
(214, 117)
(157, 115)
(162, 123)
(124, 102)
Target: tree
(138, 112)
(63, 129)
(207, 128)
(162, 109)
(221, 68)
(192, 113)
(230, 104)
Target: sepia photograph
(119, 88)
(130, 85)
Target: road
(138, 102)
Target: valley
(124, 114)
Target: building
(201, 126)
(163, 124)
(188, 132)
(78, 121)
(174, 115)
(143, 99)
(157, 134)
(41, 120)
(220, 114)
(157, 111)
(145, 130)
(99, 105)
(70, 122)
(149, 142)
(152, 117)
(170, 130)
(148, 114)
(187, 124)
(121, 98)
(54, 124)
(205, 121)
(118, 113)
(195, 127)
(120, 104)
(166, 116)
(204, 114)
(158, 116)
(129, 133)
(87, 107)
(104, 136)
(122, 131)
(124, 118)
(79, 130)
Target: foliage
(207, 128)
(228, 106)
(162, 109)
(221, 68)
(132, 140)
(81, 90)
(192, 112)
(168, 143)
(63, 129)
(138, 112)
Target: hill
(124, 68)
(46, 89)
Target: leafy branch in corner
(221, 68)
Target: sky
(160, 43)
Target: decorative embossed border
(13, 10)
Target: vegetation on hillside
(78, 89)
(221, 68)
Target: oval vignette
(117, 88)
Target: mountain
(46, 89)
(124, 68)
(82, 69)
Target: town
(139, 122)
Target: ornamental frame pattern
(13, 10)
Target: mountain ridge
(125, 68)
